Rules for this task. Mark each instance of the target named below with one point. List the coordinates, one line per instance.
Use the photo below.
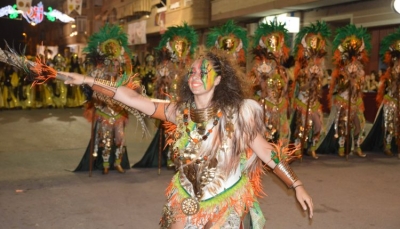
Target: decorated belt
(191, 205)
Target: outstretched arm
(155, 108)
(264, 151)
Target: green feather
(388, 41)
(228, 28)
(268, 28)
(350, 30)
(319, 28)
(185, 31)
(107, 32)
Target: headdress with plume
(271, 38)
(390, 48)
(229, 37)
(312, 40)
(180, 41)
(111, 42)
(351, 42)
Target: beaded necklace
(205, 136)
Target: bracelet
(83, 81)
(294, 187)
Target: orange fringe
(241, 205)
(285, 53)
(382, 86)
(89, 111)
(388, 59)
(128, 64)
(241, 58)
(255, 176)
(169, 128)
(42, 71)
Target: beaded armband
(285, 173)
(104, 87)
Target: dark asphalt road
(37, 190)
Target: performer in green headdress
(110, 56)
(384, 134)
(310, 54)
(270, 49)
(175, 52)
(346, 121)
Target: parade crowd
(220, 126)
(286, 83)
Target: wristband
(285, 173)
(104, 87)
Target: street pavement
(40, 148)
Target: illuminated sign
(35, 14)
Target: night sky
(10, 30)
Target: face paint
(208, 74)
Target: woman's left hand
(304, 199)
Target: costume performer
(346, 121)
(310, 51)
(9, 82)
(111, 59)
(108, 50)
(59, 88)
(231, 38)
(270, 50)
(220, 165)
(148, 74)
(75, 95)
(175, 51)
(384, 134)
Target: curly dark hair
(231, 90)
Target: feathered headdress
(390, 48)
(180, 41)
(110, 41)
(272, 38)
(312, 37)
(390, 54)
(351, 42)
(229, 37)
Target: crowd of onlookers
(17, 92)
(371, 80)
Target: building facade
(146, 20)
